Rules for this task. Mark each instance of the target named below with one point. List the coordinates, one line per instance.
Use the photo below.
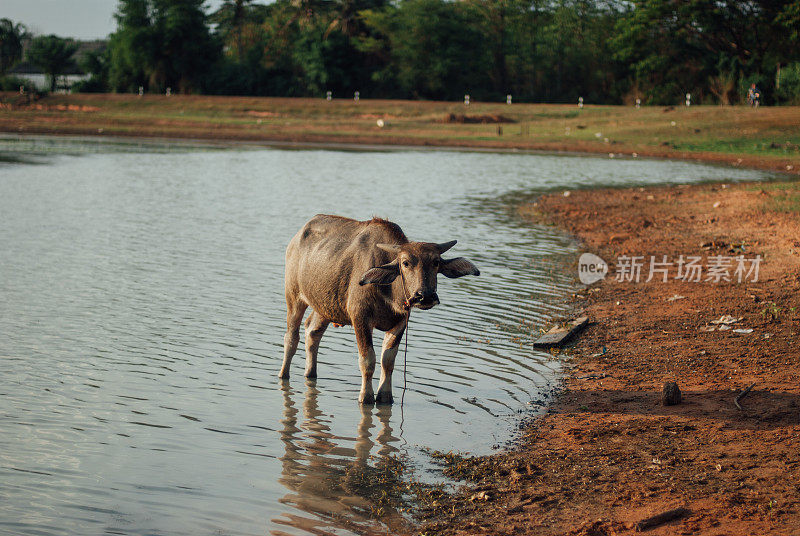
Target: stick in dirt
(743, 394)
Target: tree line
(606, 51)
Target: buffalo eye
(406, 264)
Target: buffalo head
(417, 264)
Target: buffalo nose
(426, 297)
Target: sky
(80, 19)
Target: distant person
(753, 96)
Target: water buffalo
(366, 274)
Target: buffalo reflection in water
(335, 479)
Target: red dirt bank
(608, 454)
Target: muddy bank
(608, 454)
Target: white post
(688, 99)
(466, 100)
(580, 102)
(508, 99)
(356, 96)
(638, 103)
(141, 90)
(169, 91)
(329, 95)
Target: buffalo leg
(315, 328)
(366, 361)
(391, 343)
(294, 317)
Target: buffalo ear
(381, 275)
(457, 267)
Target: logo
(591, 268)
(686, 268)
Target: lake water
(142, 321)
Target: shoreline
(734, 136)
(359, 143)
(607, 454)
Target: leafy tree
(326, 63)
(607, 51)
(574, 55)
(675, 46)
(238, 24)
(789, 89)
(95, 62)
(788, 25)
(494, 18)
(131, 47)
(185, 49)
(436, 48)
(11, 37)
(52, 54)
(662, 55)
(230, 19)
(344, 16)
(160, 44)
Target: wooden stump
(671, 394)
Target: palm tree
(230, 19)
(11, 37)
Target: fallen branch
(660, 519)
(743, 394)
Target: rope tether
(405, 350)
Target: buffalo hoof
(384, 398)
(283, 375)
(366, 399)
(311, 374)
